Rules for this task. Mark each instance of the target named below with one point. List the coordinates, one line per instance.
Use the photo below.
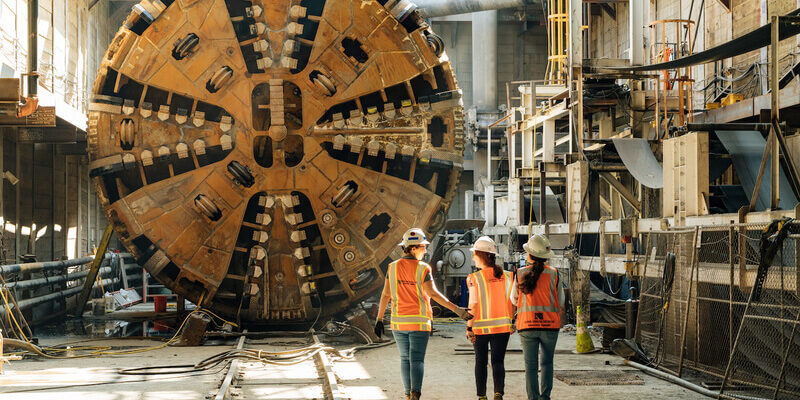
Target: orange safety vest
(411, 307)
(494, 310)
(539, 309)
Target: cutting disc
(263, 158)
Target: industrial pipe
(682, 382)
(441, 8)
(46, 265)
(608, 167)
(672, 378)
(27, 303)
(33, 47)
(32, 283)
(14, 344)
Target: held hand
(379, 329)
(463, 313)
(471, 337)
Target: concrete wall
(521, 55)
(457, 36)
(53, 211)
(521, 52)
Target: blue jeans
(412, 345)
(531, 341)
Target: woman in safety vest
(490, 301)
(538, 295)
(409, 285)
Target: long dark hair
(528, 284)
(490, 259)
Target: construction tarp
(640, 161)
(746, 149)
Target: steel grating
(598, 378)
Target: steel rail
(329, 382)
(224, 392)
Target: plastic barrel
(160, 303)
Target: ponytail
(498, 271)
(490, 259)
(528, 284)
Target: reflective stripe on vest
(420, 318)
(494, 313)
(540, 316)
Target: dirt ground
(372, 375)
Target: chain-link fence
(696, 310)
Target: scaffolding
(673, 39)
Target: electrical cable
(319, 313)
(95, 351)
(286, 357)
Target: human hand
(463, 313)
(378, 328)
(471, 336)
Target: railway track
(306, 374)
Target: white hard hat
(414, 237)
(485, 244)
(538, 246)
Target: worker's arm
(385, 296)
(561, 298)
(514, 294)
(514, 299)
(430, 289)
(473, 298)
(473, 305)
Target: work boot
(483, 398)
(415, 395)
(408, 396)
(498, 396)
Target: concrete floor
(450, 376)
(373, 375)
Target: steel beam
(95, 268)
(622, 190)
